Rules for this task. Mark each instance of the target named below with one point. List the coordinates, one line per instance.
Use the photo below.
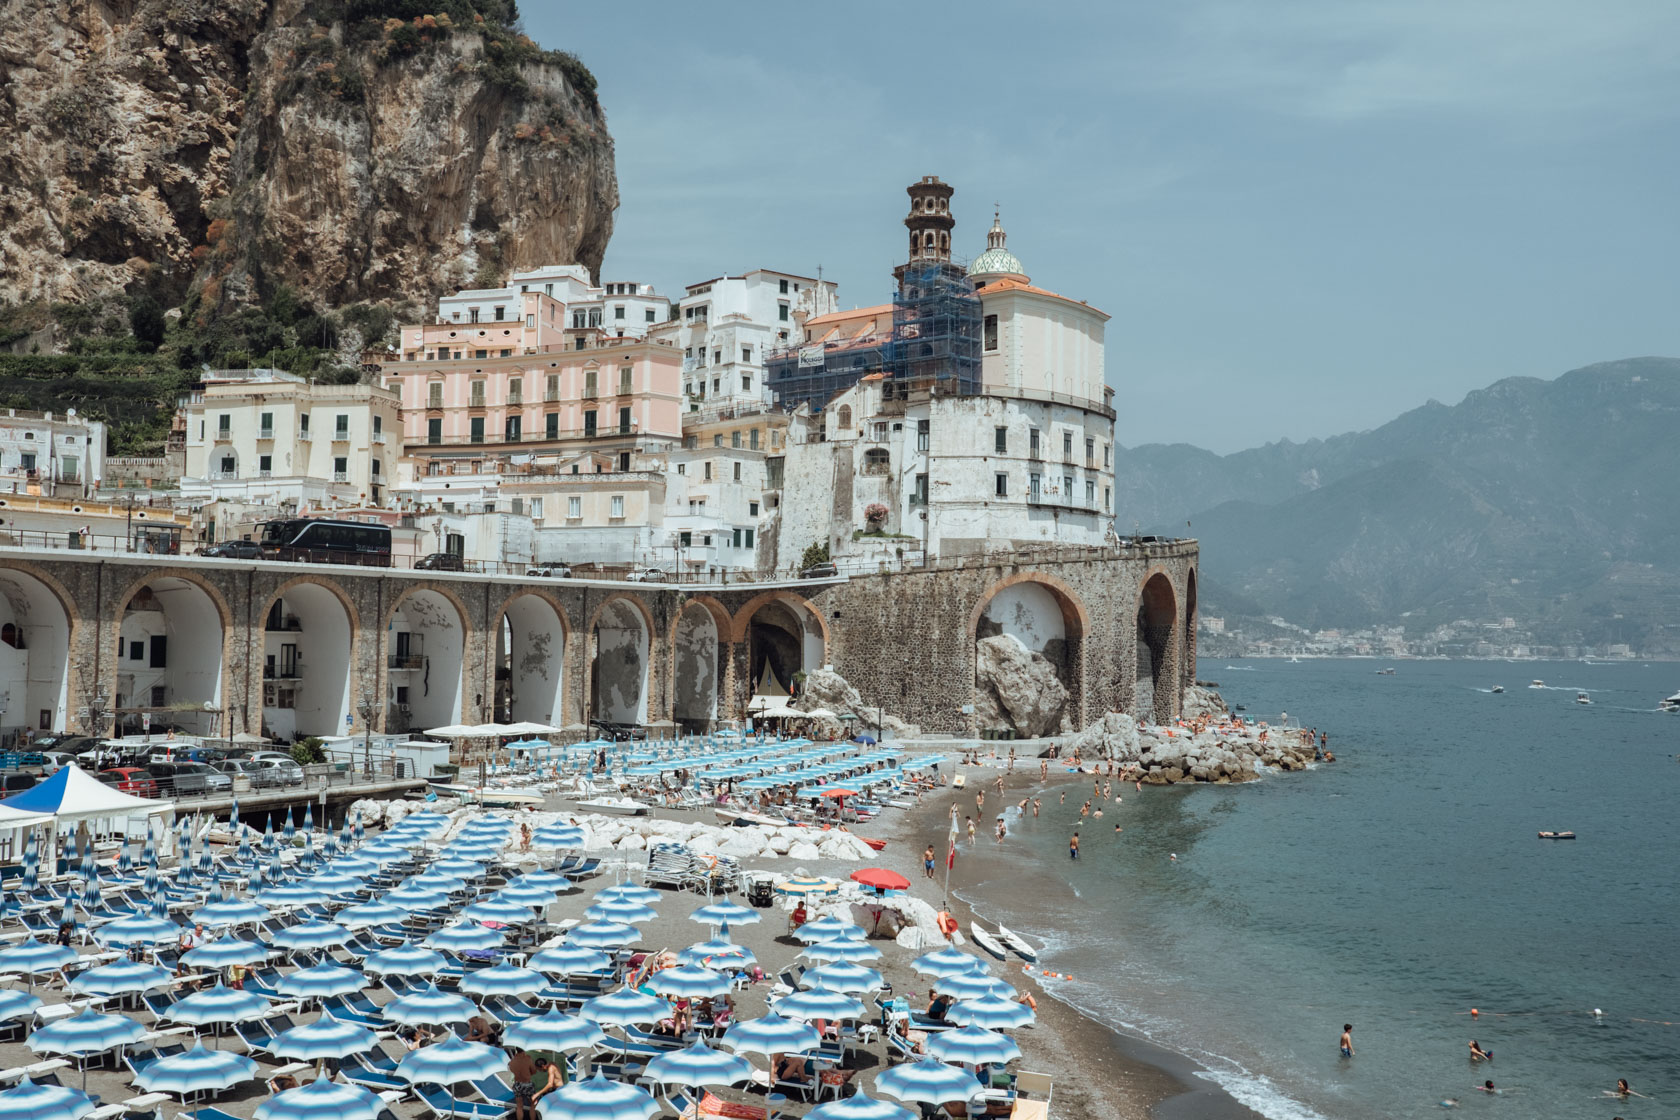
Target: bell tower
(930, 223)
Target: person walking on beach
(979, 801)
(1347, 1040)
(1044, 769)
(1073, 846)
(971, 830)
(927, 862)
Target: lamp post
(364, 708)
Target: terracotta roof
(1007, 285)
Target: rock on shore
(1169, 755)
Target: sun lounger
(439, 1103)
(358, 1072)
(494, 1090)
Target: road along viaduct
(94, 642)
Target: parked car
(214, 780)
(260, 775)
(550, 571)
(179, 779)
(647, 575)
(130, 779)
(266, 756)
(289, 772)
(441, 562)
(66, 744)
(235, 550)
(820, 571)
(54, 761)
(17, 781)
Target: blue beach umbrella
(851, 978)
(31, 867)
(720, 952)
(405, 959)
(416, 898)
(623, 1007)
(621, 910)
(376, 913)
(29, 1101)
(460, 868)
(554, 1031)
(558, 836)
(465, 938)
(84, 1034)
(290, 896)
(225, 953)
(698, 1065)
(357, 833)
(288, 830)
(571, 960)
(308, 858)
(994, 1012)
(206, 866)
(243, 853)
(310, 935)
(185, 837)
(220, 1004)
(842, 949)
(324, 1039)
(17, 1005)
(429, 1006)
(860, 1107)
(944, 962)
(551, 881)
(438, 881)
(452, 1060)
(971, 985)
(321, 981)
(497, 910)
(137, 931)
(231, 912)
(196, 1071)
(158, 906)
(152, 883)
(598, 1099)
(829, 928)
(603, 935)
(121, 978)
(309, 816)
(268, 841)
(67, 913)
(335, 883)
(927, 1082)
(820, 1003)
(321, 1100)
(689, 982)
(148, 853)
(502, 980)
(124, 863)
(526, 894)
(972, 1046)
(726, 913)
(771, 1034)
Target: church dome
(997, 261)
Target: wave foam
(1260, 1094)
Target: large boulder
(1114, 736)
(1200, 700)
(804, 851)
(824, 688)
(1021, 686)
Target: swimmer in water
(1624, 1092)
(1477, 1054)
(1487, 1087)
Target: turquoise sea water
(1395, 889)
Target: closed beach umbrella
(326, 1038)
(464, 938)
(623, 1007)
(860, 1107)
(554, 1031)
(377, 913)
(828, 928)
(972, 1046)
(309, 816)
(124, 863)
(820, 1003)
(726, 913)
(689, 982)
(842, 978)
(994, 1012)
(842, 949)
(603, 935)
(698, 1065)
(927, 1082)
(971, 985)
(429, 1006)
(321, 1100)
(502, 980)
(946, 961)
(220, 1004)
(231, 912)
(570, 960)
(137, 931)
(321, 981)
(290, 829)
(268, 841)
(17, 1005)
(225, 953)
(31, 867)
(451, 1060)
(29, 1101)
(196, 1071)
(121, 978)
(771, 1034)
(405, 959)
(496, 910)
(597, 1099)
(621, 910)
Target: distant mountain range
(1550, 502)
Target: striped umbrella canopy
(67, 913)
(971, 985)
(410, 959)
(927, 1082)
(625, 1006)
(571, 960)
(121, 978)
(598, 1099)
(288, 830)
(807, 886)
(206, 865)
(376, 913)
(384, 851)
(475, 851)
(321, 981)
(554, 1031)
(185, 876)
(321, 1100)
(603, 935)
(972, 1046)
(344, 836)
(220, 1004)
(331, 882)
(558, 883)
(688, 982)
(860, 1107)
(464, 938)
(355, 865)
(502, 980)
(231, 912)
(158, 905)
(357, 832)
(243, 853)
(504, 913)
(944, 962)
(326, 1038)
(726, 913)
(17, 1005)
(86, 1033)
(225, 953)
(31, 866)
(290, 896)
(429, 1006)
(842, 978)
(698, 1065)
(329, 845)
(718, 952)
(994, 1012)
(526, 894)
(829, 928)
(621, 910)
(148, 853)
(309, 816)
(35, 958)
(310, 935)
(771, 1034)
(454, 1059)
(842, 949)
(820, 1003)
(268, 841)
(275, 871)
(87, 861)
(309, 858)
(559, 836)
(124, 863)
(196, 1071)
(29, 1101)
(185, 836)
(152, 882)
(137, 931)
(416, 898)
(435, 880)
(460, 868)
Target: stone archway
(1028, 636)
(1156, 689)
(530, 661)
(618, 673)
(34, 653)
(308, 634)
(1191, 622)
(425, 648)
(780, 635)
(171, 652)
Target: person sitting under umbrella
(800, 914)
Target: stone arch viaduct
(90, 642)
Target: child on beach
(1073, 846)
(1347, 1040)
(927, 862)
(1035, 806)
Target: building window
(682, 468)
(735, 438)
(991, 333)
(784, 287)
(717, 357)
(649, 314)
(877, 461)
(752, 509)
(735, 538)
(265, 425)
(578, 320)
(685, 539)
(1000, 485)
(1032, 487)
(618, 311)
(717, 439)
(478, 429)
(511, 428)
(624, 421)
(574, 508)
(922, 435)
(1000, 440)
(782, 313)
(516, 505)
(589, 423)
(499, 315)
(551, 426)
(341, 469)
(1090, 493)
(843, 418)
(224, 424)
(618, 505)
(1108, 502)
(626, 377)
(1067, 489)
(1067, 445)
(434, 398)
(1032, 445)
(265, 465)
(475, 397)
(707, 476)
(919, 497)
(551, 388)
(737, 472)
(530, 322)
(1105, 456)
(590, 384)
(746, 383)
(434, 430)
(1090, 452)
(752, 440)
(516, 391)
(746, 353)
(624, 460)
(536, 509)
(379, 425)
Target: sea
(1402, 888)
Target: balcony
(405, 662)
(265, 433)
(264, 473)
(378, 437)
(224, 435)
(551, 397)
(341, 476)
(303, 435)
(223, 476)
(341, 435)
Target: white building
(619, 308)
(52, 455)
(715, 500)
(726, 327)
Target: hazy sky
(1305, 216)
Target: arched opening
(1028, 640)
(618, 678)
(306, 664)
(1190, 623)
(1156, 694)
(169, 660)
(784, 638)
(530, 662)
(877, 461)
(695, 669)
(34, 655)
(424, 644)
(843, 418)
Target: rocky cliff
(358, 150)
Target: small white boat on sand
(613, 806)
(742, 817)
(1016, 942)
(986, 941)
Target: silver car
(289, 773)
(260, 775)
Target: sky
(1304, 216)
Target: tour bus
(320, 540)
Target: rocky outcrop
(239, 144)
(1017, 688)
(826, 689)
(1214, 750)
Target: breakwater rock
(1213, 748)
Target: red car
(130, 779)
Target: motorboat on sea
(1536, 684)
(1582, 698)
(1557, 836)
(1389, 672)
(1497, 688)
(1671, 704)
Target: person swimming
(1487, 1087)
(1477, 1054)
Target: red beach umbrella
(839, 793)
(881, 879)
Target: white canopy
(526, 727)
(74, 795)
